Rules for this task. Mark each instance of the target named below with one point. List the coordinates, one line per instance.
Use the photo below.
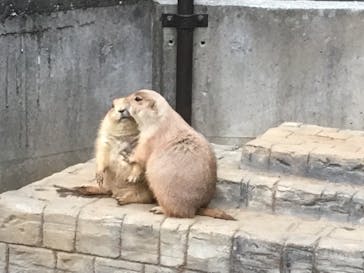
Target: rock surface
(309, 150)
(285, 223)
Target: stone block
(159, 269)
(336, 202)
(230, 173)
(325, 153)
(103, 265)
(262, 142)
(298, 253)
(337, 165)
(252, 255)
(259, 191)
(334, 133)
(209, 245)
(3, 252)
(173, 245)
(357, 207)
(31, 269)
(258, 245)
(288, 158)
(278, 133)
(20, 219)
(334, 255)
(299, 195)
(297, 259)
(24, 259)
(72, 262)
(60, 218)
(309, 129)
(75, 169)
(253, 156)
(99, 227)
(3, 256)
(228, 190)
(227, 195)
(357, 138)
(173, 241)
(40, 191)
(227, 155)
(45, 189)
(140, 234)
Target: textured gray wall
(260, 63)
(257, 64)
(59, 72)
(261, 66)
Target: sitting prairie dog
(116, 139)
(179, 163)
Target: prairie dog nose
(124, 113)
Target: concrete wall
(59, 72)
(263, 62)
(257, 64)
(263, 65)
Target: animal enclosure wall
(257, 64)
(59, 73)
(260, 63)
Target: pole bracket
(184, 21)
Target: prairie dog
(179, 163)
(117, 137)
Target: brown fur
(116, 139)
(179, 163)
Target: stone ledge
(285, 194)
(308, 150)
(210, 245)
(41, 231)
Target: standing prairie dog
(179, 163)
(116, 139)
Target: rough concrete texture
(284, 193)
(60, 73)
(13, 8)
(257, 64)
(263, 62)
(309, 150)
(3, 257)
(42, 231)
(236, 188)
(112, 238)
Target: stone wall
(44, 231)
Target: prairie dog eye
(138, 98)
(112, 106)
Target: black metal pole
(184, 64)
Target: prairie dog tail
(215, 213)
(81, 191)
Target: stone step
(43, 232)
(309, 150)
(237, 188)
(284, 194)
(290, 195)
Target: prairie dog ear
(152, 105)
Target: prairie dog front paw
(100, 178)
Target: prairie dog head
(118, 112)
(147, 107)
(119, 119)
